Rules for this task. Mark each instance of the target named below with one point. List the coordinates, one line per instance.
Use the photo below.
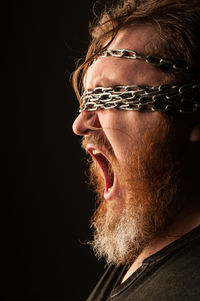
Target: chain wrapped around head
(165, 98)
(153, 60)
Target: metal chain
(164, 98)
(153, 60)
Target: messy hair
(175, 21)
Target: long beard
(150, 177)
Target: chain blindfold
(165, 98)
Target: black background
(46, 203)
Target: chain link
(164, 98)
(153, 60)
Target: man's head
(139, 169)
(176, 24)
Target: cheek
(125, 130)
(122, 129)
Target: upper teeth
(95, 152)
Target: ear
(195, 133)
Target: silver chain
(153, 60)
(164, 98)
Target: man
(140, 119)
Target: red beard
(151, 178)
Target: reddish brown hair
(176, 22)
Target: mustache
(100, 141)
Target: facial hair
(150, 176)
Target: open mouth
(106, 169)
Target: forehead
(134, 37)
(112, 71)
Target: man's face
(134, 158)
(123, 130)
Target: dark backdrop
(46, 204)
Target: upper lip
(104, 164)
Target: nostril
(86, 122)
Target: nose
(85, 123)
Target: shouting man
(139, 93)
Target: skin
(124, 129)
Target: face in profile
(135, 166)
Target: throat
(107, 171)
(133, 268)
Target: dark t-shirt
(170, 274)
